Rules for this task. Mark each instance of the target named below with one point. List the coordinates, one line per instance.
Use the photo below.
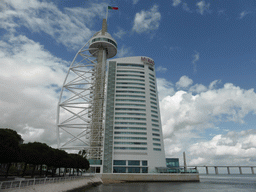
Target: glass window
(153, 90)
(152, 98)
(131, 128)
(144, 163)
(153, 120)
(137, 96)
(134, 163)
(151, 75)
(155, 125)
(152, 83)
(153, 107)
(144, 170)
(152, 86)
(155, 116)
(122, 71)
(156, 130)
(131, 133)
(131, 100)
(154, 103)
(154, 111)
(133, 170)
(129, 65)
(156, 144)
(131, 118)
(151, 78)
(155, 139)
(128, 104)
(130, 143)
(156, 149)
(139, 114)
(119, 169)
(119, 162)
(151, 68)
(130, 109)
(130, 148)
(155, 134)
(132, 138)
(125, 83)
(127, 79)
(153, 94)
(130, 123)
(138, 92)
(119, 87)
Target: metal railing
(36, 181)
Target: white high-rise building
(133, 140)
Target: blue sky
(205, 59)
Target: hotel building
(133, 140)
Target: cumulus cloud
(195, 59)
(176, 2)
(68, 27)
(120, 33)
(243, 14)
(161, 69)
(146, 21)
(186, 115)
(30, 80)
(184, 82)
(202, 7)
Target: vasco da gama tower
(110, 109)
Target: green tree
(10, 142)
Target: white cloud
(146, 21)
(120, 33)
(243, 14)
(164, 88)
(185, 116)
(184, 82)
(176, 2)
(202, 7)
(30, 79)
(135, 1)
(69, 27)
(196, 57)
(124, 52)
(161, 69)
(186, 8)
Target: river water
(209, 183)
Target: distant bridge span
(227, 166)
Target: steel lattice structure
(80, 112)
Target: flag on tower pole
(111, 8)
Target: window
(129, 65)
(128, 104)
(150, 68)
(119, 169)
(151, 78)
(154, 103)
(119, 162)
(133, 170)
(131, 133)
(153, 107)
(122, 71)
(155, 130)
(155, 134)
(131, 138)
(131, 118)
(131, 148)
(138, 92)
(151, 75)
(144, 170)
(153, 90)
(119, 87)
(129, 123)
(134, 163)
(131, 128)
(155, 139)
(156, 149)
(131, 100)
(138, 114)
(153, 94)
(129, 109)
(130, 143)
(153, 120)
(152, 86)
(137, 96)
(156, 144)
(155, 116)
(144, 163)
(152, 98)
(152, 83)
(127, 79)
(155, 125)
(125, 83)
(154, 111)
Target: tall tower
(80, 113)
(133, 131)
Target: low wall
(151, 177)
(59, 187)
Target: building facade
(133, 140)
